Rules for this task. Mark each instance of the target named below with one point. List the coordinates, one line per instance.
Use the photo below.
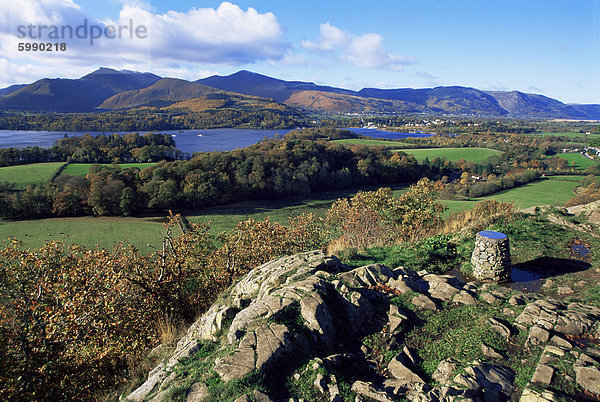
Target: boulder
(588, 378)
(400, 367)
(370, 391)
(542, 375)
(466, 298)
(366, 276)
(423, 302)
(198, 392)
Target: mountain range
(109, 89)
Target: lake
(215, 139)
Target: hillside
(249, 83)
(307, 326)
(538, 106)
(161, 92)
(75, 95)
(110, 89)
(453, 100)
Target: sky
(550, 47)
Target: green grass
(86, 231)
(456, 333)
(476, 155)
(578, 161)
(371, 143)
(81, 169)
(552, 191)
(106, 232)
(225, 217)
(34, 173)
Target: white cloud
(226, 35)
(364, 50)
(331, 38)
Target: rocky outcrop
(304, 317)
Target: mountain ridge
(111, 89)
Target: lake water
(215, 139)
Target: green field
(371, 143)
(81, 169)
(553, 191)
(34, 173)
(578, 161)
(476, 155)
(86, 231)
(106, 232)
(225, 217)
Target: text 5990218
(41, 47)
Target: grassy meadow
(225, 217)
(34, 173)
(104, 232)
(370, 143)
(578, 161)
(476, 155)
(554, 190)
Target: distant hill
(75, 95)
(533, 105)
(454, 100)
(161, 93)
(106, 88)
(249, 83)
(11, 89)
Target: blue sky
(548, 47)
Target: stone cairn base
(491, 257)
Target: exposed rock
(198, 392)
(395, 318)
(296, 308)
(494, 379)
(399, 369)
(257, 396)
(588, 378)
(369, 275)
(500, 328)
(530, 395)
(443, 287)
(444, 371)
(542, 375)
(489, 298)
(240, 363)
(320, 383)
(466, 298)
(155, 377)
(508, 312)
(548, 283)
(560, 341)
(565, 290)
(368, 389)
(549, 349)
(490, 352)
(537, 335)
(424, 303)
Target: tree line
(272, 169)
(101, 148)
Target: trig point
(491, 257)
